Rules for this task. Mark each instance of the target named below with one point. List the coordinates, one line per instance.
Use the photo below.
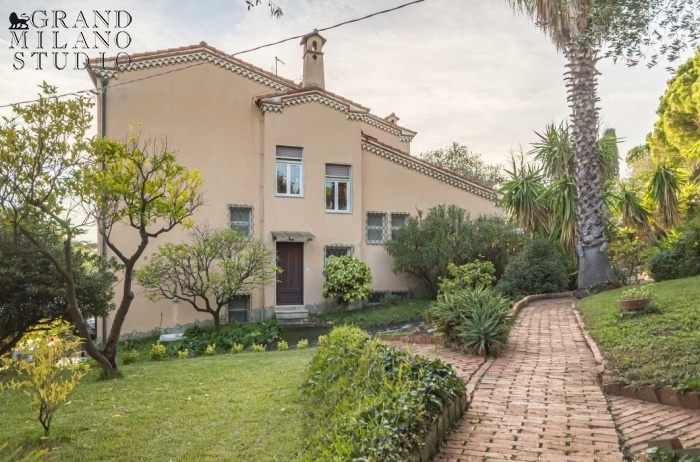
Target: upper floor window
(376, 227)
(337, 188)
(289, 171)
(240, 218)
(398, 221)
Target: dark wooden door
(290, 282)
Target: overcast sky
(468, 71)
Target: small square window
(238, 309)
(376, 228)
(337, 251)
(240, 218)
(398, 221)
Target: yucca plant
(664, 188)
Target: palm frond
(664, 188)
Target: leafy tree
(348, 280)
(676, 136)
(425, 246)
(32, 291)
(580, 28)
(49, 169)
(458, 158)
(209, 271)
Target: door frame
(303, 271)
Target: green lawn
(403, 311)
(660, 349)
(243, 407)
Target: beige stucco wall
(209, 117)
(206, 114)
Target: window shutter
(339, 171)
(288, 152)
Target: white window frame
(336, 180)
(396, 228)
(288, 162)
(232, 224)
(383, 228)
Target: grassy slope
(403, 311)
(660, 349)
(241, 407)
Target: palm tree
(569, 25)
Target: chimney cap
(392, 118)
(314, 33)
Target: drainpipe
(262, 188)
(103, 129)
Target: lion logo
(19, 23)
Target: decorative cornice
(427, 169)
(191, 57)
(278, 103)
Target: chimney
(313, 60)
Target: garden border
(453, 411)
(667, 396)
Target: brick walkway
(540, 400)
(640, 422)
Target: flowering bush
(51, 371)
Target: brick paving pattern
(540, 400)
(640, 421)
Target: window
(335, 250)
(376, 227)
(337, 188)
(238, 309)
(240, 218)
(398, 221)
(289, 171)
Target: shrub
(637, 293)
(237, 348)
(282, 345)
(258, 348)
(540, 269)
(304, 343)
(198, 338)
(183, 354)
(130, 356)
(52, 373)
(210, 350)
(468, 276)
(679, 256)
(158, 351)
(425, 246)
(477, 318)
(348, 279)
(367, 401)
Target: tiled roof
(201, 51)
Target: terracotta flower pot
(635, 305)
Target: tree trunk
(217, 321)
(110, 348)
(594, 268)
(109, 368)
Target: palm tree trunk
(581, 81)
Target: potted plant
(636, 298)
